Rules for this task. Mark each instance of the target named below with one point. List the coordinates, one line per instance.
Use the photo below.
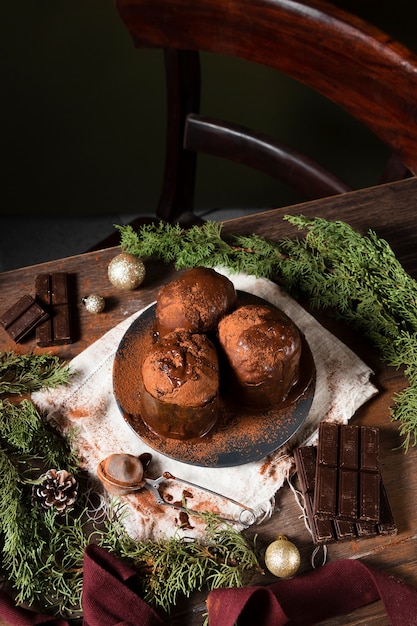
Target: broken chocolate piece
(321, 528)
(349, 447)
(325, 502)
(52, 292)
(347, 475)
(386, 524)
(369, 449)
(22, 317)
(369, 505)
(326, 529)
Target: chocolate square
(23, 317)
(52, 292)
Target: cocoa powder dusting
(82, 411)
(240, 435)
(263, 348)
(195, 301)
(182, 368)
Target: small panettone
(58, 489)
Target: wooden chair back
(345, 59)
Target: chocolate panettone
(195, 301)
(179, 397)
(262, 350)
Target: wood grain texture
(388, 209)
(350, 62)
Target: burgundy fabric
(110, 597)
(110, 593)
(334, 589)
(19, 616)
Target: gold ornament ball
(126, 271)
(282, 557)
(94, 303)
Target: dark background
(82, 131)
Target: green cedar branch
(41, 554)
(27, 373)
(30, 540)
(200, 245)
(30, 543)
(354, 276)
(178, 566)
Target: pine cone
(58, 488)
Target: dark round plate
(240, 435)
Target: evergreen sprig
(26, 373)
(178, 566)
(200, 245)
(31, 541)
(360, 278)
(41, 553)
(356, 276)
(28, 538)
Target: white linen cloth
(88, 404)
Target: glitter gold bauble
(126, 271)
(282, 557)
(94, 303)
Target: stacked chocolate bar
(52, 293)
(49, 313)
(342, 486)
(22, 317)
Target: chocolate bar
(322, 529)
(23, 317)
(326, 529)
(347, 474)
(52, 292)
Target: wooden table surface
(390, 211)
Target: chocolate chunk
(322, 529)
(328, 448)
(348, 495)
(349, 447)
(386, 524)
(347, 475)
(52, 292)
(327, 529)
(369, 506)
(325, 500)
(22, 317)
(369, 449)
(60, 304)
(366, 529)
(344, 530)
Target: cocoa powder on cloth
(88, 404)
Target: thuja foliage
(201, 245)
(361, 279)
(355, 276)
(178, 566)
(26, 373)
(41, 553)
(32, 542)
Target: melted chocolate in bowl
(241, 433)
